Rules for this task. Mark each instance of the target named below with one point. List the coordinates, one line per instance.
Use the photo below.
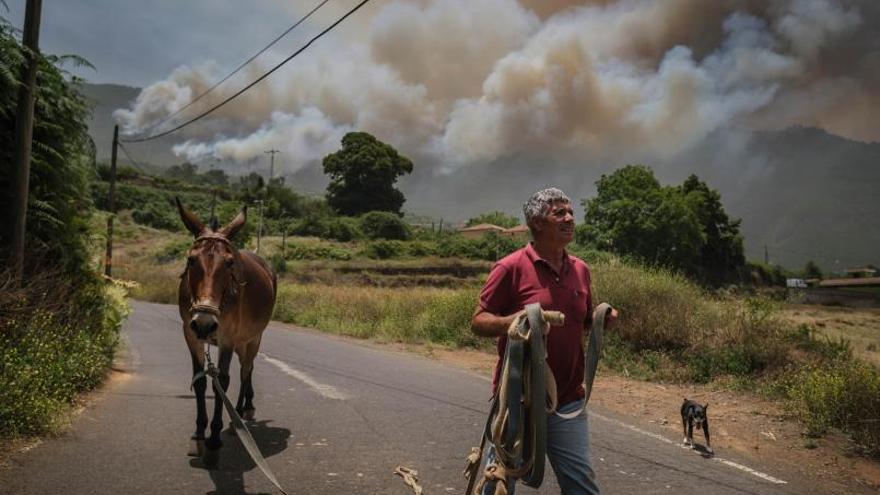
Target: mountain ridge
(805, 194)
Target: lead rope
(497, 471)
(240, 428)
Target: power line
(249, 86)
(235, 71)
(132, 160)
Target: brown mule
(225, 296)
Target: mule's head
(213, 269)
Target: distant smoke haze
(462, 83)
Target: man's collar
(533, 255)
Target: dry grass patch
(861, 326)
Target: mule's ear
(193, 224)
(232, 228)
(706, 406)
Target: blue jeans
(568, 449)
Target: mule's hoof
(248, 414)
(196, 447)
(211, 457)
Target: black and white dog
(695, 414)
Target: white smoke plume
(462, 82)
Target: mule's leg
(245, 405)
(213, 443)
(197, 442)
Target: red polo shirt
(523, 277)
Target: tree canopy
(62, 156)
(812, 270)
(362, 175)
(684, 228)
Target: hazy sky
(137, 42)
(457, 83)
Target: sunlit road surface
(333, 416)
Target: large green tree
(362, 175)
(62, 158)
(721, 256)
(684, 228)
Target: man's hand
(611, 317)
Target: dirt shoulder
(741, 422)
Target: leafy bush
(490, 247)
(384, 225)
(158, 217)
(174, 251)
(312, 224)
(664, 312)
(840, 394)
(123, 172)
(297, 251)
(48, 353)
(766, 275)
(383, 250)
(278, 263)
(421, 248)
(343, 229)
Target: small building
(851, 282)
(861, 272)
(520, 233)
(479, 230)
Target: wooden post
(260, 227)
(24, 128)
(271, 154)
(213, 205)
(283, 234)
(111, 205)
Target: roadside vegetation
(671, 329)
(59, 324)
(693, 309)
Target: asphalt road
(333, 416)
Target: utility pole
(766, 256)
(283, 232)
(24, 131)
(271, 154)
(260, 227)
(111, 205)
(213, 204)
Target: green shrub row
(46, 357)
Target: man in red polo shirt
(545, 273)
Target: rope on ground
(410, 477)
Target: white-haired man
(545, 273)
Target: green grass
(391, 314)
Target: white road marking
(663, 439)
(327, 391)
